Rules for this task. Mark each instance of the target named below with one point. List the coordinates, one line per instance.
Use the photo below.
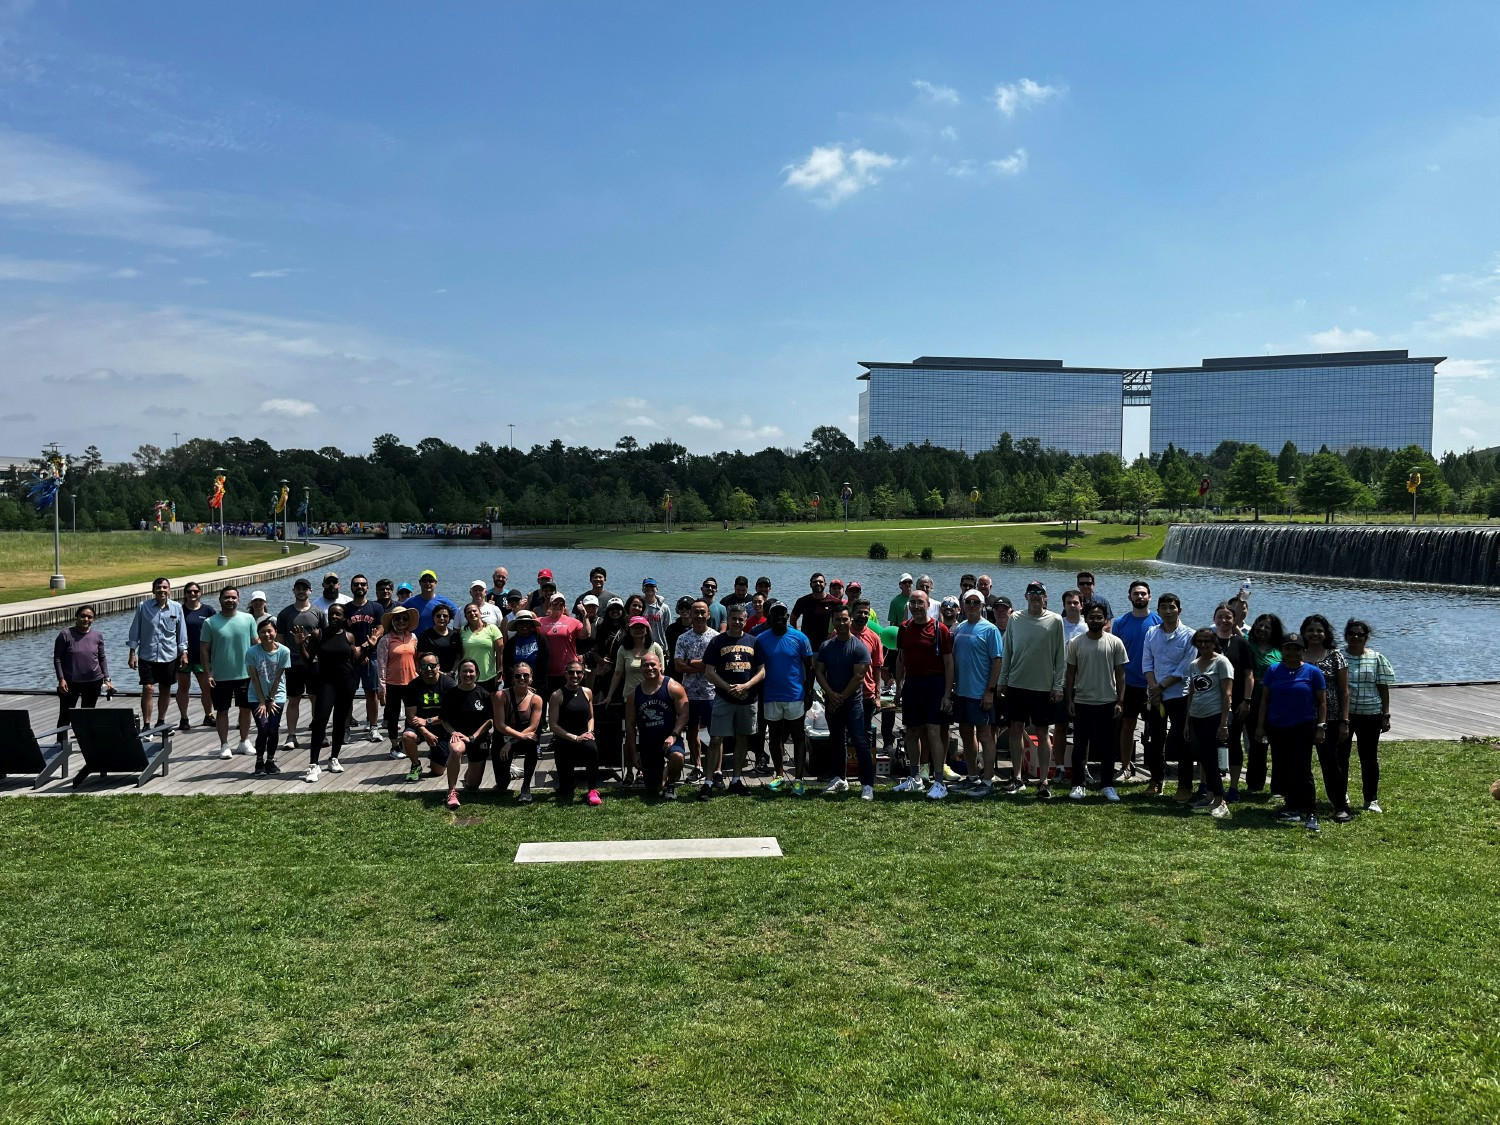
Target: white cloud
(289, 407)
(769, 432)
(271, 273)
(31, 269)
(703, 422)
(948, 133)
(631, 403)
(192, 281)
(833, 174)
(961, 168)
(937, 95)
(125, 273)
(1012, 165)
(52, 184)
(1468, 322)
(1337, 339)
(641, 421)
(1011, 98)
(1466, 369)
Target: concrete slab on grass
(592, 851)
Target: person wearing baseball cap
(427, 600)
(977, 648)
(489, 612)
(626, 675)
(657, 613)
(1293, 715)
(330, 595)
(897, 612)
(567, 636)
(1032, 672)
(538, 598)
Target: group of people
(712, 688)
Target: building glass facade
(968, 404)
(1377, 399)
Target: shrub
(879, 551)
(1009, 555)
(908, 554)
(926, 554)
(1041, 554)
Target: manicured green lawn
(344, 958)
(94, 561)
(978, 540)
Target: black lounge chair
(110, 743)
(22, 753)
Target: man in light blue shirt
(977, 648)
(158, 648)
(1168, 647)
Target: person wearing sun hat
(395, 666)
(427, 600)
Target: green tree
(1179, 485)
(883, 502)
(934, 502)
(1252, 480)
(1433, 494)
(691, 508)
(1139, 489)
(787, 507)
(1073, 498)
(1288, 463)
(1326, 486)
(742, 506)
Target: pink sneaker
(594, 798)
(453, 798)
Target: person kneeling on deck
(655, 715)
(424, 707)
(466, 720)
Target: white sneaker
(245, 747)
(1374, 806)
(1077, 793)
(398, 755)
(1219, 811)
(836, 786)
(937, 792)
(335, 766)
(312, 774)
(225, 752)
(905, 785)
(867, 792)
(373, 735)
(1110, 794)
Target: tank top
(573, 715)
(513, 718)
(336, 660)
(400, 658)
(654, 715)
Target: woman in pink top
(564, 634)
(396, 667)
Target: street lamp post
(1413, 482)
(223, 555)
(73, 496)
(57, 582)
(846, 495)
(1291, 493)
(286, 547)
(306, 513)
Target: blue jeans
(847, 725)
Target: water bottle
(1245, 591)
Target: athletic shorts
(162, 673)
(922, 700)
(195, 669)
(731, 718)
(299, 681)
(1033, 708)
(972, 712)
(439, 753)
(784, 712)
(1133, 704)
(230, 691)
(700, 712)
(367, 677)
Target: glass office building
(1341, 400)
(968, 403)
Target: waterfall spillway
(1450, 556)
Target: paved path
(57, 610)
(1418, 712)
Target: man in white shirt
(1168, 647)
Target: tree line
(630, 483)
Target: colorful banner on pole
(217, 499)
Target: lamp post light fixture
(286, 548)
(223, 555)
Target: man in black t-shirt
(423, 700)
(466, 717)
(813, 611)
(362, 618)
(298, 620)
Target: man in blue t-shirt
(977, 648)
(428, 600)
(785, 692)
(1131, 628)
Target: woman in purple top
(79, 662)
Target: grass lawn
(344, 958)
(968, 539)
(94, 561)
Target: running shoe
(272, 767)
(669, 793)
(980, 789)
(414, 774)
(1219, 811)
(225, 752)
(372, 734)
(260, 769)
(798, 789)
(1110, 794)
(836, 786)
(397, 755)
(524, 796)
(1343, 816)
(1014, 787)
(1183, 795)
(1077, 793)
(313, 773)
(705, 791)
(905, 785)
(739, 788)
(1044, 793)
(1204, 802)
(938, 791)
(1232, 796)
(776, 784)
(335, 766)
(594, 798)
(1287, 816)
(453, 799)
(209, 721)
(950, 775)
(1373, 806)
(184, 726)
(1312, 824)
(245, 747)
(867, 792)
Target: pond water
(1419, 629)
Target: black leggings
(86, 695)
(335, 697)
(1366, 732)
(609, 733)
(1205, 731)
(570, 756)
(503, 756)
(1291, 758)
(395, 694)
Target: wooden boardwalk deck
(1446, 711)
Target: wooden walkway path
(1444, 712)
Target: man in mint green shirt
(227, 637)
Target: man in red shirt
(924, 686)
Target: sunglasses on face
(429, 667)
(520, 675)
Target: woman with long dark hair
(609, 709)
(1230, 642)
(1266, 633)
(335, 654)
(1370, 680)
(1210, 680)
(1294, 716)
(1323, 652)
(81, 666)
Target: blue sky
(319, 223)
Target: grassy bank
(979, 541)
(339, 958)
(94, 561)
